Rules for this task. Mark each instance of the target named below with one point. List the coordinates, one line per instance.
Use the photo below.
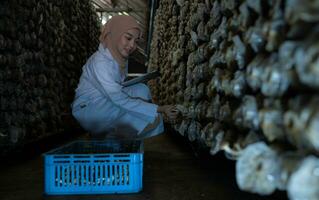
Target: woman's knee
(144, 91)
(139, 90)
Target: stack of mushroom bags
(43, 46)
(244, 75)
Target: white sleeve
(104, 76)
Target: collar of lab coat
(106, 52)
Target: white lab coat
(102, 104)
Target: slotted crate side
(84, 167)
(67, 175)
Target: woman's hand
(169, 111)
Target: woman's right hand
(169, 111)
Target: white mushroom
(304, 182)
(257, 169)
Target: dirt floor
(172, 171)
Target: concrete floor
(171, 171)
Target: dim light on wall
(104, 16)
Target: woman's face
(128, 42)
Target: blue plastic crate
(94, 167)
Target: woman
(102, 105)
